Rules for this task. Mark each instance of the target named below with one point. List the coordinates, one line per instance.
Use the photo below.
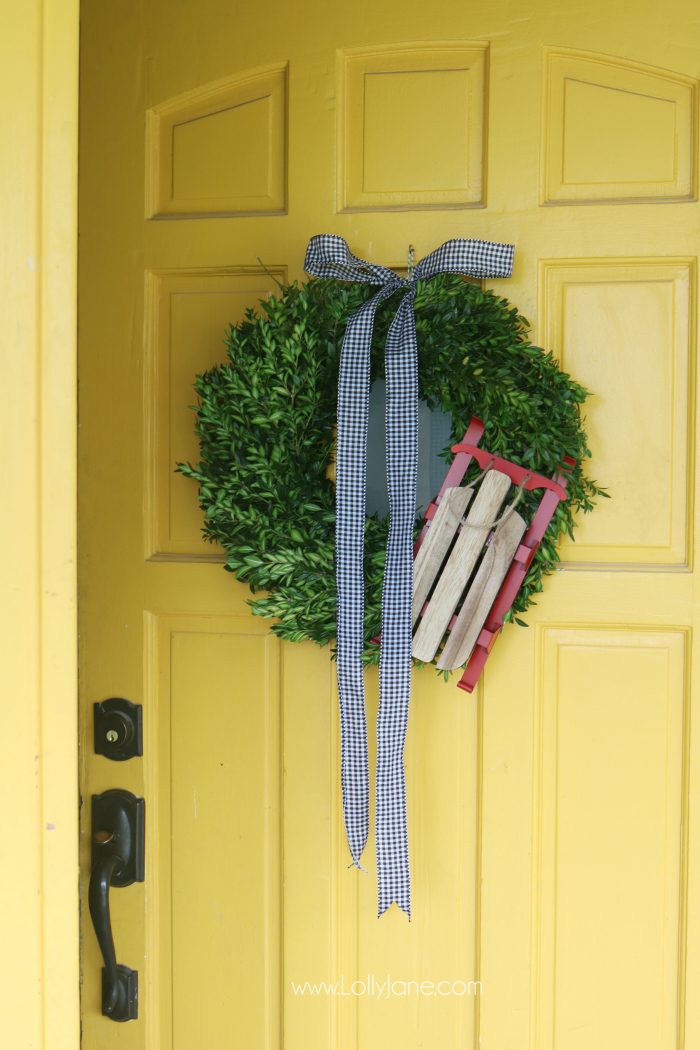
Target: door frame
(39, 966)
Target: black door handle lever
(117, 860)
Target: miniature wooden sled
(472, 556)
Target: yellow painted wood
(643, 309)
(221, 757)
(553, 850)
(186, 132)
(38, 670)
(186, 311)
(444, 88)
(600, 766)
(621, 97)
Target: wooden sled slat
(460, 564)
(482, 592)
(455, 474)
(432, 551)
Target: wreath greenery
(266, 419)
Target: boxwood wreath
(266, 417)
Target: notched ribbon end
(405, 908)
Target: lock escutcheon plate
(118, 729)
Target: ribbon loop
(328, 255)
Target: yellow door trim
(39, 973)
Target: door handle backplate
(118, 850)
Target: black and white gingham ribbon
(329, 256)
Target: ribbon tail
(351, 483)
(394, 883)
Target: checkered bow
(329, 256)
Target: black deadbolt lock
(118, 729)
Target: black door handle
(117, 860)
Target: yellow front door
(554, 857)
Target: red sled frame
(554, 492)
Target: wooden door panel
(441, 163)
(215, 844)
(196, 164)
(611, 791)
(624, 328)
(188, 313)
(617, 98)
